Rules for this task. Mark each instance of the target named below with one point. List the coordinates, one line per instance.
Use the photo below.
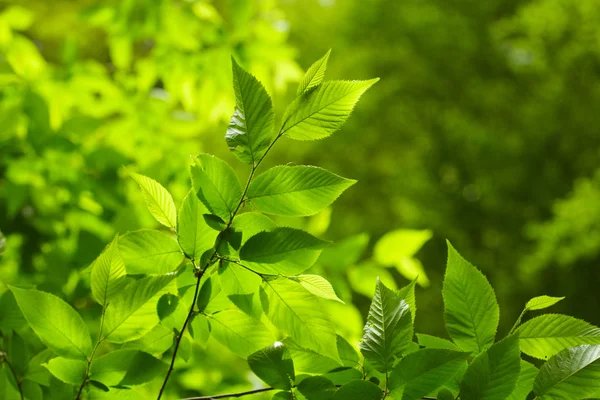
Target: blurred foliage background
(483, 130)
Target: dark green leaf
(274, 366)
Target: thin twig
(91, 359)
(231, 395)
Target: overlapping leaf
(150, 252)
(194, 233)
(525, 383)
(274, 366)
(158, 199)
(314, 75)
(240, 333)
(108, 274)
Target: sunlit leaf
(158, 199)
(69, 371)
(194, 233)
(108, 274)
(314, 75)
(274, 366)
(150, 252)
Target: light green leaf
(132, 313)
(298, 313)
(358, 390)
(216, 185)
(546, 335)
(318, 286)
(363, 275)
(274, 366)
(494, 373)
(344, 253)
(407, 293)
(434, 342)
(322, 111)
(309, 361)
(158, 199)
(108, 274)
(317, 388)
(155, 342)
(251, 223)
(200, 329)
(525, 382)
(194, 234)
(127, 368)
(286, 251)
(240, 333)
(314, 75)
(388, 331)
(150, 252)
(69, 371)
(411, 268)
(541, 302)
(55, 322)
(424, 371)
(470, 306)
(236, 279)
(250, 130)
(400, 243)
(572, 374)
(298, 190)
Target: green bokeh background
(483, 129)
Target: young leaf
(216, 185)
(108, 274)
(194, 234)
(317, 388)
(240, 333)
(358, 390)
(493, 374)
(286, 251)
(150, 252)
(314, 75)
(546, 335)
(407, 293)
(274, 366)
(55, 322)
(318, 286)
(251, 223)
(69, 371)
(388, 331)
(434, 342)
(296, 312)
(322, 111)
(541, 302)
(470, 306)
(525, 382)
(572, 374)
(424, 371)
(132, 312)
(159, 201)
(296, 191)
(126, 368)
(250, 130)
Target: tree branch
(231, 395)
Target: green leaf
(251, 223)
(286, 251)
(298, 190)
(399, 244)
(343, 253)
(205, 294)
(309, 361)
(363, 275)
(407, 293)
(541, 302)
(150, 252)
(126, 368)
(445, 394)
(240, 333)
(159, 201)
(434, 342)
(250, 130)
(318, 286)
(108, 274)
(69, 371)
(388, 331)
(155, 342)
(358, 390)
(236, 279)
(548, 334)
(298, 313)
(317, 388)
(132, 314)
(194, 234)
(424, 371)
(494, 373)
(470, 306)
(322, 111)
(55, 322)
(200, 329)
(216, 185)
(314, 75)
(274, 366)
(525, 382)
(572, 374)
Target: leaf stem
(91, 359)
(517, 322)
(231, 395)
(14, 373)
